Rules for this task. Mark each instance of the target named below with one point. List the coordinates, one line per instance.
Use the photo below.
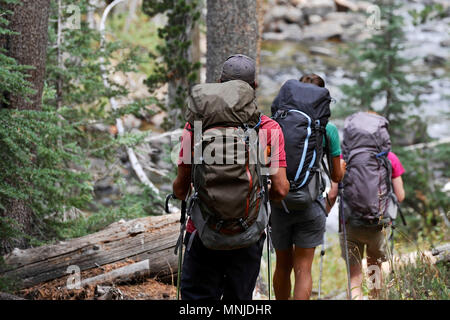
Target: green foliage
(35, 167)
(418, 281)
(7, 284)
(429, 12)
(425, 201)
(383, 84)
(45, 153)
(129, 206)
(141, 34)
(12, 78)
(176, 66)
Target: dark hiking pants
(219, 274)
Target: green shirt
(333, 138)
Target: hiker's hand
(331, 196)
(182, 183)
(279, 185)
(343, 166)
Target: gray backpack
(228, 206)
(368, 192)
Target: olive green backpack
(229, 203)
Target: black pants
(220, 274)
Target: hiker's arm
(337, 174)
(399, 191)
(279, 187)
(182, 182)
(332, 196)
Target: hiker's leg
(355, 249)
(282, 238)
(376, 255)
(241, 271)
(374, 276)
(282, 274)
(308, 234)
(202, 276)
(303, 258)
(356, 279)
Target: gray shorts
(374, 239)
(302, 229)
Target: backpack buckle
(219, 225)
(318, 127)
(243, 224)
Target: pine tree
(382, 84)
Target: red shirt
(270, 136)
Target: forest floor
(139, 289)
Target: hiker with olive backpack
(228, 206)
(372, 190)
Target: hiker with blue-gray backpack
(302, 108)
(371, 192)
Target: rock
(107, 202)
(445, 43)
(292, 32)
(323, 31)
(345, 5)
(320, 51)
(273, 36)
(158, 119)
(296, 3)
(434, 60)
(313, 19)
(100, 127)
(131, 122)
(285, 13)
(364, 5)
(352, 23)
(346, 19)
(439, 73)
(294, 15)
(318, 7)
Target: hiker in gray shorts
(295, 234)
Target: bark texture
(29, 47)
(150, 238)
(232, 27)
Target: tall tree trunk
(29, 47)
(232, 27)
(180, 83)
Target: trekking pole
(179, 244)
(269, 276)
(322, 253)
(269, 238)
(344, 231)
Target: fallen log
(126, 273)
(8, 296)
(151, 238)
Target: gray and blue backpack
(302, 111)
